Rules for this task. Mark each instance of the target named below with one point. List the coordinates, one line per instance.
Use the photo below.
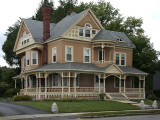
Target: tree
(10, 56)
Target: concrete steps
(117, 96)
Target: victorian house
(76, 57)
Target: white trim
(120, 54)
(27, 59)
(32, 57)
(84, 55)
(56, 54)
(66, 53)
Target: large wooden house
(76, 57)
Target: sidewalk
(17, 117)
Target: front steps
(117, 96)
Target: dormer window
(120, 40)
(25, 38)
(88, 30)
(88, 25)
(87, 33)
(93, 31)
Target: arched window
(88, 28)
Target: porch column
(26, 85)
(124, 84)
(39, 88)
(75, 84)
(119, 85)
(45, 85)
(62, 85)
(69, 84)
(139, 85)
(104, 89)
(15, 83)
(102, 53)
(99, 83)
(21, 83)
(144, 88)
(36, 87)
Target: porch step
(117, 96)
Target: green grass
(6, 99)
(121, 113)
(85, 106)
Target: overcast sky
(148, 10)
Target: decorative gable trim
(114, 69)
(19, 33)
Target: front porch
(82, 85)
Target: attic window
(120, 40)
(88, 25)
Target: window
(55, 79)
(34, 81)
(87, 33)
(88, 25)
(120, 40)
(117, 58)
(93, 31)
(97, 79)
(86, 55)
(34, 58)
(27, 82)
(80, 31)
(123, 57)
(28, 57)
(101, 56)
(54, 54)
(64, 81)
(24, 61)
(116, 82)
(69, 52)
(120, 59)
(77, 80)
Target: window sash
(28, 56)
(34, 58)
(86, 55)
(69, 53)
(87, 33)
(117, 59)
(54, 54)
(80, 31)
(123, 59)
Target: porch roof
(83, 67)
(16, 77)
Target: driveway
(8, 109)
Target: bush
(157, 93)
(151, 96)
(22, 98)
(102, 95)
(11, 92)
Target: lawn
(147, 102)
(82, 106)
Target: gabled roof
(57, 30)
(114, 35)
(85, 67)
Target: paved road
(8, 109)
(140, 117)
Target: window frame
(24, 62)
(32, 57)
(54, 48)
(79, 31)
(28, 63)
(66, 53)
(57, 80)
(89, 55)
(120, 59)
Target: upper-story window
(28, 57)
(87, 31)
(34, 58)
(69, 52)
(120, 59)
(87, 55)
(80, 31)
(54, 54)
(101, 56)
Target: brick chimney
(46, 11)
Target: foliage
(151, 96)
(82, 106)
(22, 98)
(11, 92)
(157, 93)
(102, 96)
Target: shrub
(11, 92)
(151, 96)
(102, 95)
(157, 93)
(22, 98)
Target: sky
(148, 10)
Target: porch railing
(133, 90)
